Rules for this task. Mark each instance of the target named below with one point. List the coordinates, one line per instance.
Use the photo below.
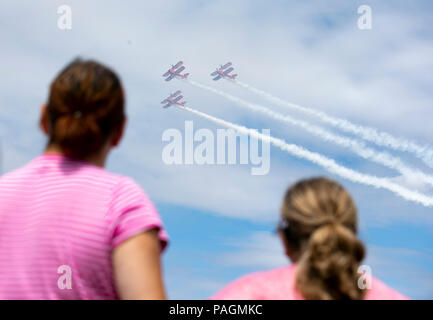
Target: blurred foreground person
(318, 229)
(68, 228)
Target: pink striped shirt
(279, 284)
(59, 222)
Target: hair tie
(331, 222)
(77, 114)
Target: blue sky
(220, 218)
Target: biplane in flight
(175, 71)
(174, 99)
(223, 72)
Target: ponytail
(328, 269)
(78, 136)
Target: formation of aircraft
(223, 72)
(174, 99)
(175, 71)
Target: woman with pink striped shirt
(68, 228)
(318, 229)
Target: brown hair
(86, 105)
(320, 224)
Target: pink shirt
(59, 222)
(279, 284)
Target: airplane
(221, 73)
(173, 99)
(175, 71)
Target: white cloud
(413, 182)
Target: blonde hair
(321, 223)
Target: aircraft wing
(175, 94)
(170, 77)
(177, 99)
(213, 74)
(164, 101)
(179, 70)
(228, 71)
(228, 64)
(166, 74)
(177, 65)
(217, 78)
(167, 105)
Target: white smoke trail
(326, 163)
(358, 147)
(425, 153)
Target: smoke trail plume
(326, 163)
(384, 139)
(356, 146)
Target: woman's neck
(97, 159)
